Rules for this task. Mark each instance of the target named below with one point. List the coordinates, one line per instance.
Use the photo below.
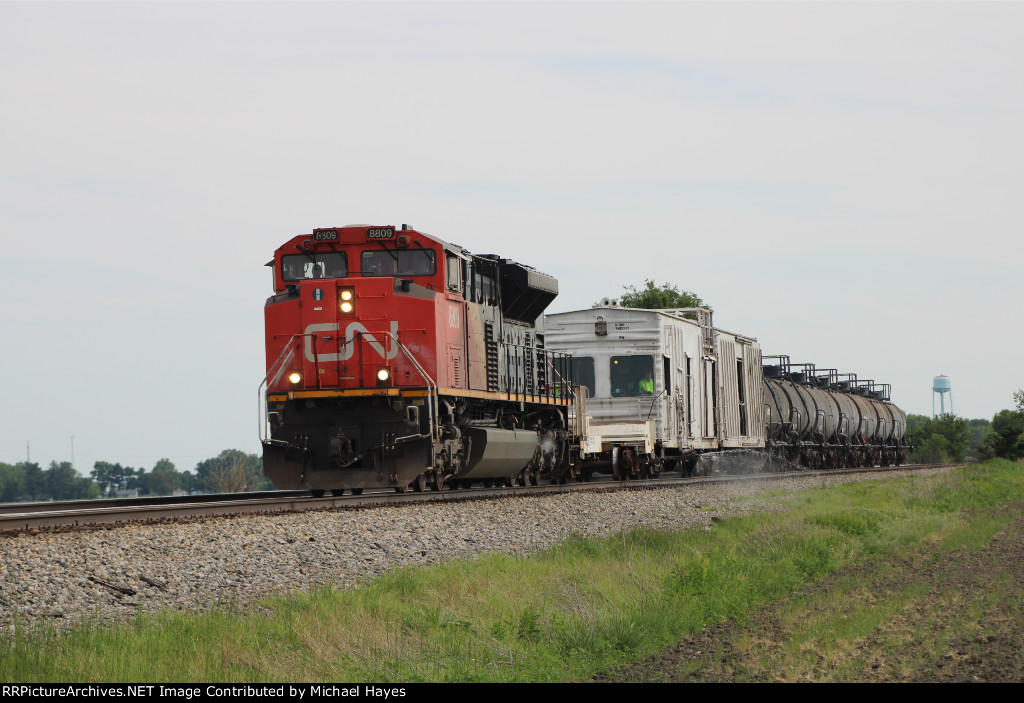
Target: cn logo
(347, 347)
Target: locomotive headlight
(383, 375)
(346, 301)
(294, 377)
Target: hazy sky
(842, 181)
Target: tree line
(952, 438)
(231, 471)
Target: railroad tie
(113, 587)
(162, 585)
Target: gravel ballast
(63, 577)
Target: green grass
(582, 607)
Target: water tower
(941, 386)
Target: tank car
(824, 419)
(396, 359)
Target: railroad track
(85, 514)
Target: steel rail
(93, 503)
(31, 517)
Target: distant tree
(139, 481)
(1018, 399)
(956, 432)
(917, 433)
(164, 479)
(655, 297)
(112, 477)
(64, 483)
(939, 439)
(88, 488)
(1006, 436)
(12, 482)
(232, 471)
(932, 450)
(979, 430)
(188, 482)
(33, 481)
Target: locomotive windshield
(328, 264)
(632, 376)
(398, 262)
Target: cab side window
(583, 373)
(454, 270)
(632, 376)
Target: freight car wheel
(401, 489)
(318, 493)
(420, 483)
(338, 491)
(357, 491)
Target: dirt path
(954, 617)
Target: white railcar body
(659, 377)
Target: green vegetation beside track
(568, 613)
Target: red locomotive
(399, 360)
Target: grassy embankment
(580, 608)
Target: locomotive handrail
(549, 355)
(432, 391)
(260, 400)
(578, 410)
(316, 361)
(513, 359)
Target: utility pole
(72, 451)
(28, 454)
